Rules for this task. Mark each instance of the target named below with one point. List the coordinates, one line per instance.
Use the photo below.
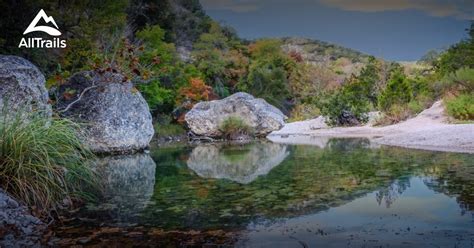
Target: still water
(344, 193)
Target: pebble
(21, 228)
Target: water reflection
(242, 163)
(273, 192)
(419, 218)
(128, 182)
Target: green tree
(458, 56)
(398, 90)
(269, 73)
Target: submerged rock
(242, 164)
(129, 183)
(18, 228)
(206, 118)
(116, 115)
(22, 86)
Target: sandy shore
(429, 131)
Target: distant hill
(317, 51)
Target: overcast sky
(394, 30)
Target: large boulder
(116, 117)
(22, 87)
(205, 118)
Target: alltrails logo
(40, 42)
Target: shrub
(304, 111)
(460, 80)
(396, 113)
(233, 127)
(343, 106)
(398, 91)
(42, 160)
(164, 130)
(461, 107)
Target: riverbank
(429, 130)
(18, 228)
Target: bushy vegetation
(234, 127)
(178, 56)
(42, 160)
(461, 107)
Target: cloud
(232, 5)
(461, 9)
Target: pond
(344, 192)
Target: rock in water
(22, 86)
(116, 117)
(205, 118)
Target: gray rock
(242, 164)
(347, 118)
(205, 118)
(20, 228)
(116, 115)
(22, 86)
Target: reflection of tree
(348, 144)
(390, 194)
(455, 181)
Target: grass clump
(461, 107)
(234, 127)
(42, 159)
(166, 130)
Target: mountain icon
(49, 30)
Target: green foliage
(458, 56)
(304, 111)
(460, 80)
(156, 95)
(42, 161)
(461, 107)
(368, 78)
(166, 130)
(349, 100)
(430, 58)
(233, 127)
(398, 91)
(356, 97)
(269, 73)
(269, 82)
(219, 55)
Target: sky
(399, 30)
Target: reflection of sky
(395, 30)
(417, 216)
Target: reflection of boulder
(241, 164)
(128, 181)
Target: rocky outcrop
(17, 227)
(242, 164)
(22, 86)
(205, 118)
(116, 116)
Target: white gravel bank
(429, 131)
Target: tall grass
(42, 160)
(233, 127)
